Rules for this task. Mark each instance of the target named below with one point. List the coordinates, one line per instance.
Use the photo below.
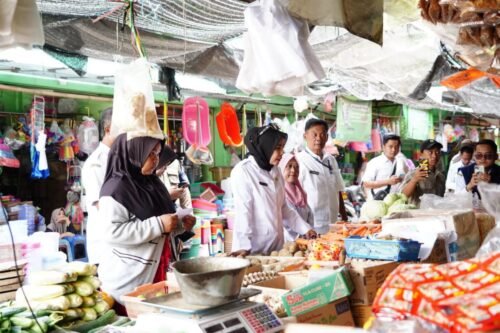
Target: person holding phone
(427, 178)
(483, 169)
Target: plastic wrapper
(133, 102)
(271, 33)
(445, 295)
(482, 96)
(199, 155)
(490, 197)
(20, 24)
(88, 135)
(450, 201)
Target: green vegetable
(5, 325)
(11, 311)
(374, 209)
(36, 293)
(75, 300)
(22, 322)
(45, 278)
(92, 280)
(88, 301)
(390, 199)
(81, 268)
(38, 313)
(400, 208)
(83, 288)
(89, 314)
(101, 307)
(72, 314)
(121, 321)
(103, 320)
(41, 327)
(56, 304)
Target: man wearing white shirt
(93, 173)
(320, 177)
(466, 153)
(385, 172)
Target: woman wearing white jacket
(136, 217)
(259, 196)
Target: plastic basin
(210, 280)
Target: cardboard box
(439, 253)
(361, 314)
(228, 240)
(485, 223)
(318, 293)
(273, 289)
(461, 222)
(367, 277)
(335, 313)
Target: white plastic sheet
(490, 197)
(20, 24)
(278, 58)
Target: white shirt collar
(104, 147)
(314, 155)
(386, 159)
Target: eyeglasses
(480, 156)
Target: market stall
(196, 80)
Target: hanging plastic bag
(39, 165)
(88, 135)
(199, 155)
(133, 102)
(272, 32)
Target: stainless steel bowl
(210, 280)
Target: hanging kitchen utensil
(228, 125)
(195, 121)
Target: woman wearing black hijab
(259, 196)
(136, 216)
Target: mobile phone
(479, 169)
(424, 164)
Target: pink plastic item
(195, 121)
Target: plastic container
(133, 300)
(392, 250)
(195, 121)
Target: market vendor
(135, 216)
(426, 179)
(483, 170)
(385, 172)
(295, 195)
(320, 177)
(259, 196)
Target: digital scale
(235, 316)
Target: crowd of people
(135, 185)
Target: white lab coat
(261, 209)
(322, 186)
(93, 173)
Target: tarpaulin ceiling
(196, 36)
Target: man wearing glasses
(483, 170)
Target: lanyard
(328, 166)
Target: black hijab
(143, 196)
(167, 156)
(261, 143)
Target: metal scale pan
(175, 303)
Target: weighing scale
(235, 316)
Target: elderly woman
(259, 196)
(136, 217)
(296, 197)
